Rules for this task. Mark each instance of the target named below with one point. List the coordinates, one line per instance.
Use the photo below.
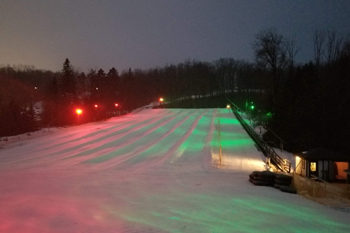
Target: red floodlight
(96, 106)
(79, 111)
(161, 99)
(116, 105)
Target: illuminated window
(313, 166)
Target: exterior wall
(300, 166)
(331, 170)
(326, 169)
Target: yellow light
(228, 106)
(313, 166)
(161, 99)
(79, 111)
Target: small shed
(323, 163)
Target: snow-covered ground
(149, 171)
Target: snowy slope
(150, 171)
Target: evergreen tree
(112, 86)
(94, 84)
(68, 82)
(82, 86)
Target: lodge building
(324, 164)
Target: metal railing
(282, 164)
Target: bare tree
(292, 49)
(319, 39)
(269, 49)
(271, 53)
(345, 51)
(333, 46)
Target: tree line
(97, 92)
(307, 102)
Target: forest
(304, 104)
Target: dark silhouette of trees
(82, 86)
(271, 53)
(93, 84)
(67, 82)
(333, 46)
(292, 49)
(19, 90)
(225, 71)
(327, 46)
(51, 103)
(98, 92)
(113, 83)
(310, 112)
(61, 97)
(319, 40)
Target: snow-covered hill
(149, 171)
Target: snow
(155, 170)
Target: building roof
(324, 154)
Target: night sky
(147, 34)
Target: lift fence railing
(282, 164)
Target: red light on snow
(79, 111)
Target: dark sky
(150, 33)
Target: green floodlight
(252, 105)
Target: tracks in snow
(145, 140)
